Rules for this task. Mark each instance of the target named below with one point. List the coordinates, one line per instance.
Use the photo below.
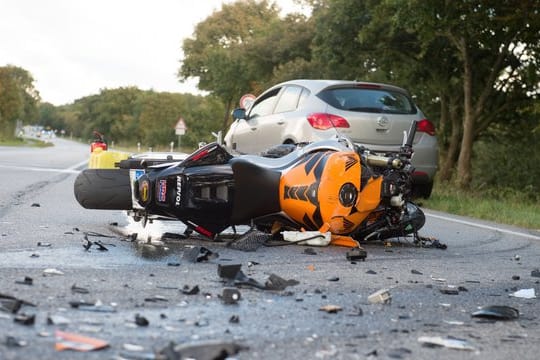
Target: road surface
(326, 315)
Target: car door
(271, 127)
(247, 132)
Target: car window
(288, 101)
(368, 100)
(264, 105)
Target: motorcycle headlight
(348, 194)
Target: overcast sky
(74, 48)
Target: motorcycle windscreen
(325, 189)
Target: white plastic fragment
(52, 271)
(316, 238)
(450, 343)
(524, 294)
(380, 297)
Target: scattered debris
(35, 205)
(201, 351)
(12, 304)
(371, 272)
(43, 244)
(535, 273)
(449, 342)
(98, 306)
(310, 251)
(12, 342)
(449, 290)
(380, 297)
(515, 277)
(72, 341)
(79, 290)
(141, 320)
(234, 319)
(190, 291)
(26, 281)
(333, 278)
(25, 319)
(331, 309)
(52, 271)
(497, 312)
(236, 277)
(416, 272)
(132, 347)
(156, 298)
(356, 254)
(230, 295)
(199, 254)
(524, 294)
(58, 320)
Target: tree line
(472, 66)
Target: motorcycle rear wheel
(105, 189)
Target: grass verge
(511, 209)
(26, 142)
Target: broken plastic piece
(380, 297)
(356, 254)
(26, 281)
(276, 282)
(524, 294)
(331, 309)
(312, 238)
(449, 342)
(347, 241)
(52, 271)
(25, 319)
(72, 341)
(190, 291)
(141, 320)
(230, 295)
(497, 312)
(199, 254)
(206, 350)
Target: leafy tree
(18, 99)
(468, 61)
(237, 49)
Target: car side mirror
(239, 113)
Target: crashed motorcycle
(331, 187)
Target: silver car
(370, 114)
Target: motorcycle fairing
(258, 192)
(325, 188)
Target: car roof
(316, 85)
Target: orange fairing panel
(324, 188)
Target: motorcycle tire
(104, 189)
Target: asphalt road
(326, 315)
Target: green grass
(510, 208)
(25, 142)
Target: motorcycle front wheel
(105, 189)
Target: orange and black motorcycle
(329, 186)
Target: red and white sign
(180, 127)
(246, 101)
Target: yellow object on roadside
(105, 159)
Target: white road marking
(488, 227)
(70, 170)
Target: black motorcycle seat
(285, 161)
(256, 190)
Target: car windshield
(373, 100)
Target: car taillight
(426, 126)
(323, 121)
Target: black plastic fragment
(190, 291)
(200, 351)
(535, 273)
(26, 281)
(199, 254)
(497, 312)
(25, 319)
(356, 254)
(230, 295)
(141, 320)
